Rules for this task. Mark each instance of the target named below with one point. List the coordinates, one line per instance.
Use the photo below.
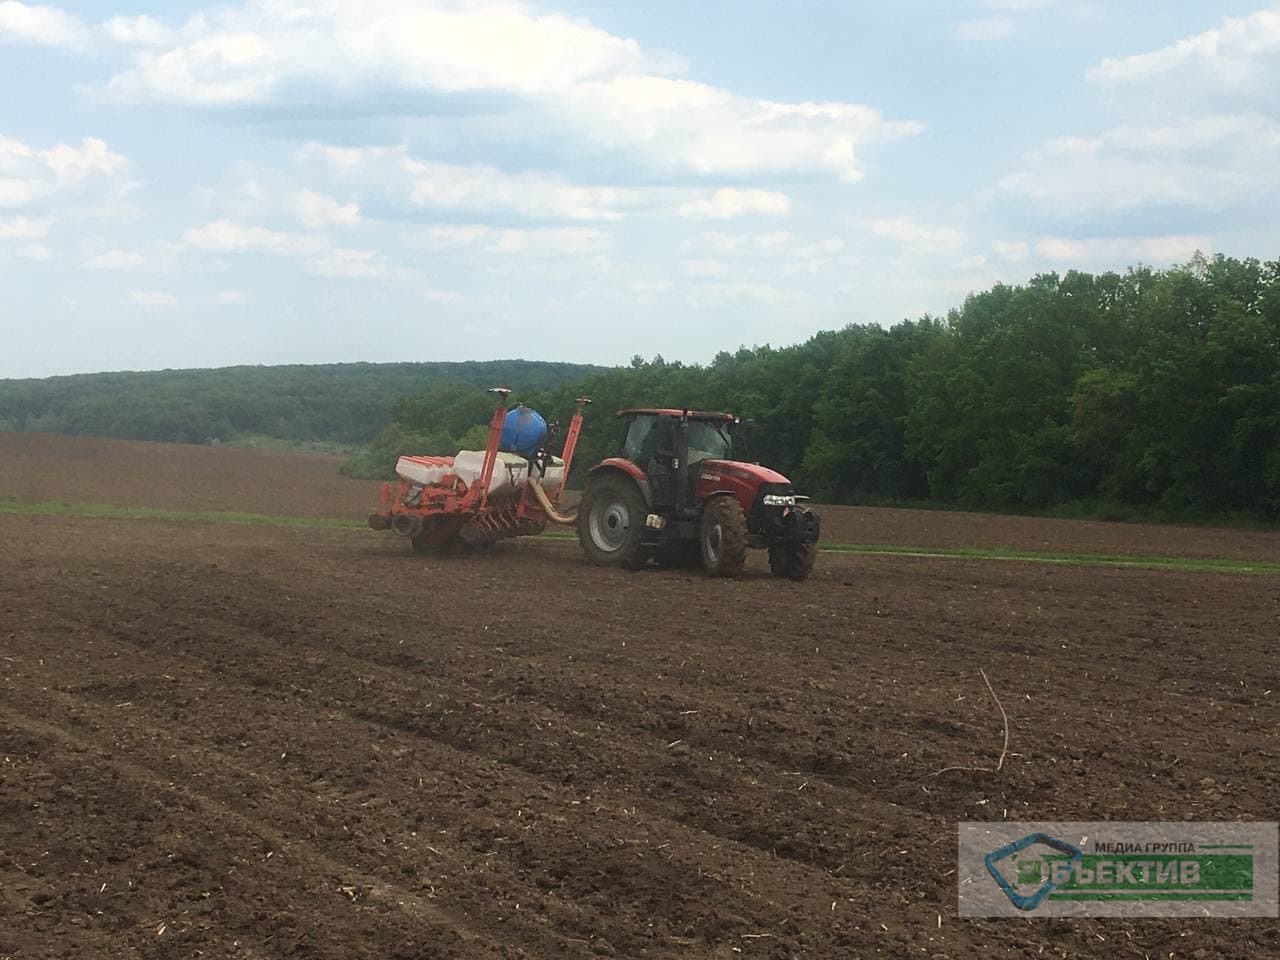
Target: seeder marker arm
(491, 448)
(570, 445)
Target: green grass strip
(104, 511)
(1194, 564)
(101, 511)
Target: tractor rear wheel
(611, 522)
(793, 560)
(723, 537)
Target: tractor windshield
(709, 441)
(641, 440)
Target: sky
(313, 181)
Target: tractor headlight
(779, 500)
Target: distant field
(133, 473)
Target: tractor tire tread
(726, 511)
(792, 560)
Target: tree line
(340, 404)
(1144, 393)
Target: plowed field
(233, 740)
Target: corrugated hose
(545, 502)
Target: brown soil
(248, 741)
(241, 741)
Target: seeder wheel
(435, 536)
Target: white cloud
(229, 236)
(1012, 251)
(1019, 6)
(400, 180)
(714, 242)
(1201, 145)
(140, 31)
(716, 253)
(776, 243)
(152, 298)
(456, 236)
(729, 203)
(1195, 163)
(736, 292)
(649, 287)
(34, 251)
(544, 243)
(1240, 58)
(116, 260)
(432, 295)
(44, 25)
(317, 210)
(230, 298)
(478, 188)
(704, 267)
(994, 20)
(443, 186)
(684, 126)
(918, 237)
(348, 264)
(1118, 252)
(23, 228)
(316, 253)
(252, 53)
(984, 29)
(569, 74)
(29, 235)
(29, 175)
(74, 165)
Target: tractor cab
(670, 445)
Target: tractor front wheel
(611, 522)
(793, 560)
(723, 537)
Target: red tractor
(673, 493)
